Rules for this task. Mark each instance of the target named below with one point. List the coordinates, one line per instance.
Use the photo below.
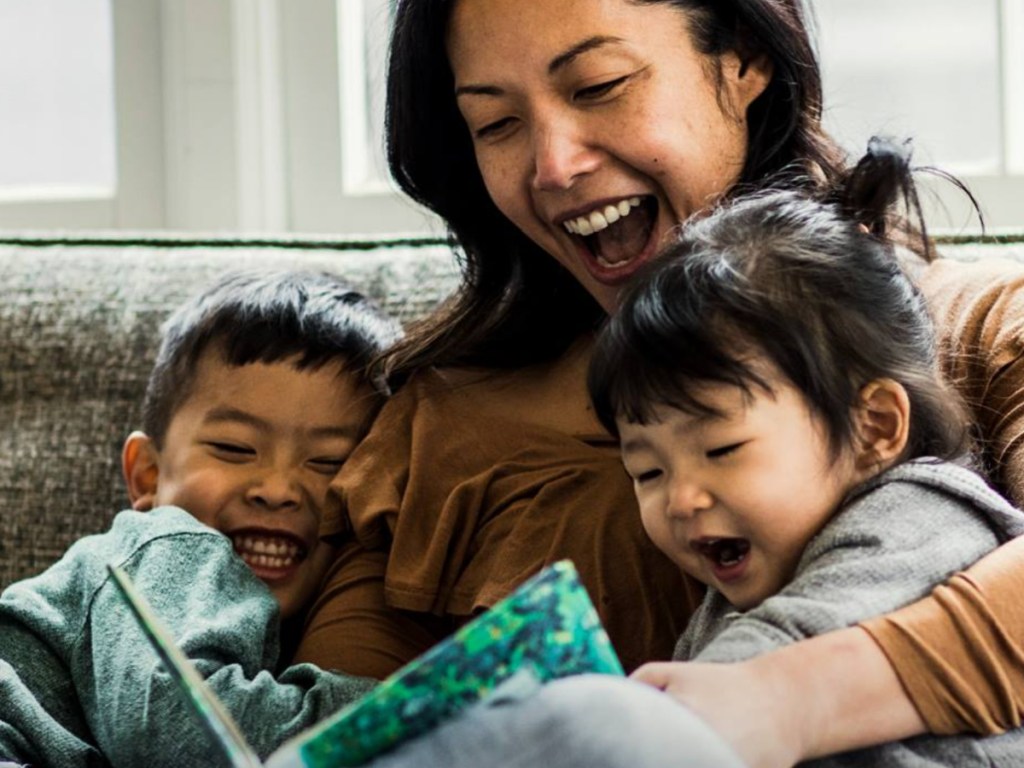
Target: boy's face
(735, 499)
(251, 453)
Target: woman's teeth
(266, 551)
(600, 219)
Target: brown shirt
(471, 483)
(960, 652)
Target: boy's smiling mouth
(271, 556)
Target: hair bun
(877, 182)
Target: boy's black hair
(264, 316)
(814, 287)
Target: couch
(79, 322)
(79, 326)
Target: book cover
(548, 626)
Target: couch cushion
(79, 326)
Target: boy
(258, 395)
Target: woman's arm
(960, 652)
(798, 702)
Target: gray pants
(592, 721)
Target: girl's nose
(687, 497)
(561, 154)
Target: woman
(562, 141)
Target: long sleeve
(225, 621)
(959, 651)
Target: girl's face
(597, 126)
(734, 499)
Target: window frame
(137, 200)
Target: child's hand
(735, 700)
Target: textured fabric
(469, 503)
(69, 638)
(960, 653)
(79, 328)
(906, 531)
(979, 313)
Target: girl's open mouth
(728, 557)
(617, 238)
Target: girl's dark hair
(516, 304)
(814, 287)
(265, 316)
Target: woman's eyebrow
(564, 59)
(560, 61)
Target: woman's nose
(687, 497)
(275, 488)
(561, 154)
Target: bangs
(667, 357)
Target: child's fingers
(655, 673)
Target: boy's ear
(139, 465)
(882, 424)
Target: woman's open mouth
(728, 556)
(616, 238)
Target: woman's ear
(744, 76)
(882, 423)
(140, 467)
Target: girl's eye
(724, 450)
(599, 90)
(647, 475)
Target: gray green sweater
(900, 535)
(81, 686)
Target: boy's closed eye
(230, 451)
(327, 465)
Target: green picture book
(548, 626)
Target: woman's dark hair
(813, 287)
(516, 304)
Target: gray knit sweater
(898, 536)
(80, 686)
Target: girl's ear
(140, 467)
(882, 424)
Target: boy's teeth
(595, 221)
(266, 551)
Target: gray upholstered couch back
(79, 322)
(79, 325)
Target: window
(955, 84)
(267, 115)
(57, 98)
(80, 139)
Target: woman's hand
(817, 697)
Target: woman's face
(597, 126)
